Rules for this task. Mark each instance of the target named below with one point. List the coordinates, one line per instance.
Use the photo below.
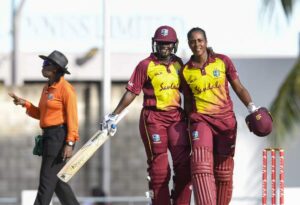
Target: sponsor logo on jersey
(165, 86)
(191, 79)
(195, 135)
(207, 87)
(216, 73)
(164, 32)
(156, 138)
(50, 96)
(158, 73)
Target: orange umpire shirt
(58, 105)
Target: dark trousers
(53, 142)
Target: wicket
(273, 152)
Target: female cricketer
(162, 121)
(212, 123)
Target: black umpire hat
(57, 58)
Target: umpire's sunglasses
(47, 63)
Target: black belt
(53, 127)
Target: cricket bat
(85, 152)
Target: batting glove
(110, 123)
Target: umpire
(57, 112)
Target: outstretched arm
(31, 110)
(127, 98)
(17, 100)
(110, 119)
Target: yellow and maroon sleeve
(231, 72)
(138, 78)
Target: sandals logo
(163, 86)
(206, 88)
(158, 73)
(191, 79)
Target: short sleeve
(138, 78)
(231, 72)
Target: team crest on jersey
(216, 73)
(195, 135)
(164, 32)
(156, 138)
(50, 96)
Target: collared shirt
(160, 83)
(58, 105)
(208, 85)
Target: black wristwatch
(70, 143)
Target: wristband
(251, 107)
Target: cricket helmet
(165, 34)
(260, 122)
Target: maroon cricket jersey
(160, 83)
(208, 85)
